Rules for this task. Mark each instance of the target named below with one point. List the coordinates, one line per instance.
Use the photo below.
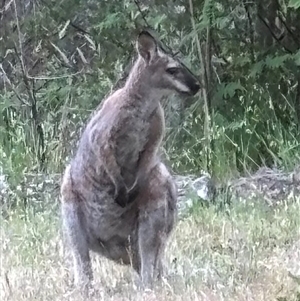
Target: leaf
(235, 125)
(231, 88)
(158, 20)
(63, 31)
(257, 69)
(223, 22)
(81, 56)
(294, 4)
(6, 103)
(207, 10)
(276, 61)
(242, 60)
(63, 56)
(297, 58)
(93, 45)
(110, 21)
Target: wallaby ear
(146, 45)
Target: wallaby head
(164, 71)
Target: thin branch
(273, 34)
(200, 54)
(204, 88)
(6, 7)
(13, 88)
(296, 40)
(218, 51)
(54, 77)
(31, 94)
(240, 32)
(141, 12)
(208, 63)
(77, 27)
(19, 36)
(208, 67)
(251, 29)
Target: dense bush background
(58, 59)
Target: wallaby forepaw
(122, 197)
(132, 194)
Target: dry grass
(242, 252)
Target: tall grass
(244, 252)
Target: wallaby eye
(172, 71)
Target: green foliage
(294, 4)
(74, 51)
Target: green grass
(242, 252)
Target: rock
(204, 187)
(271, 184)
(193, 189)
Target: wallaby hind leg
(78, 244)
(149, 246)
(156, 221)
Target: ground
(242, 251)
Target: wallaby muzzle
(190, 81)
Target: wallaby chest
(130, 143)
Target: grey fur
(116, 194)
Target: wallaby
(116, 194)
